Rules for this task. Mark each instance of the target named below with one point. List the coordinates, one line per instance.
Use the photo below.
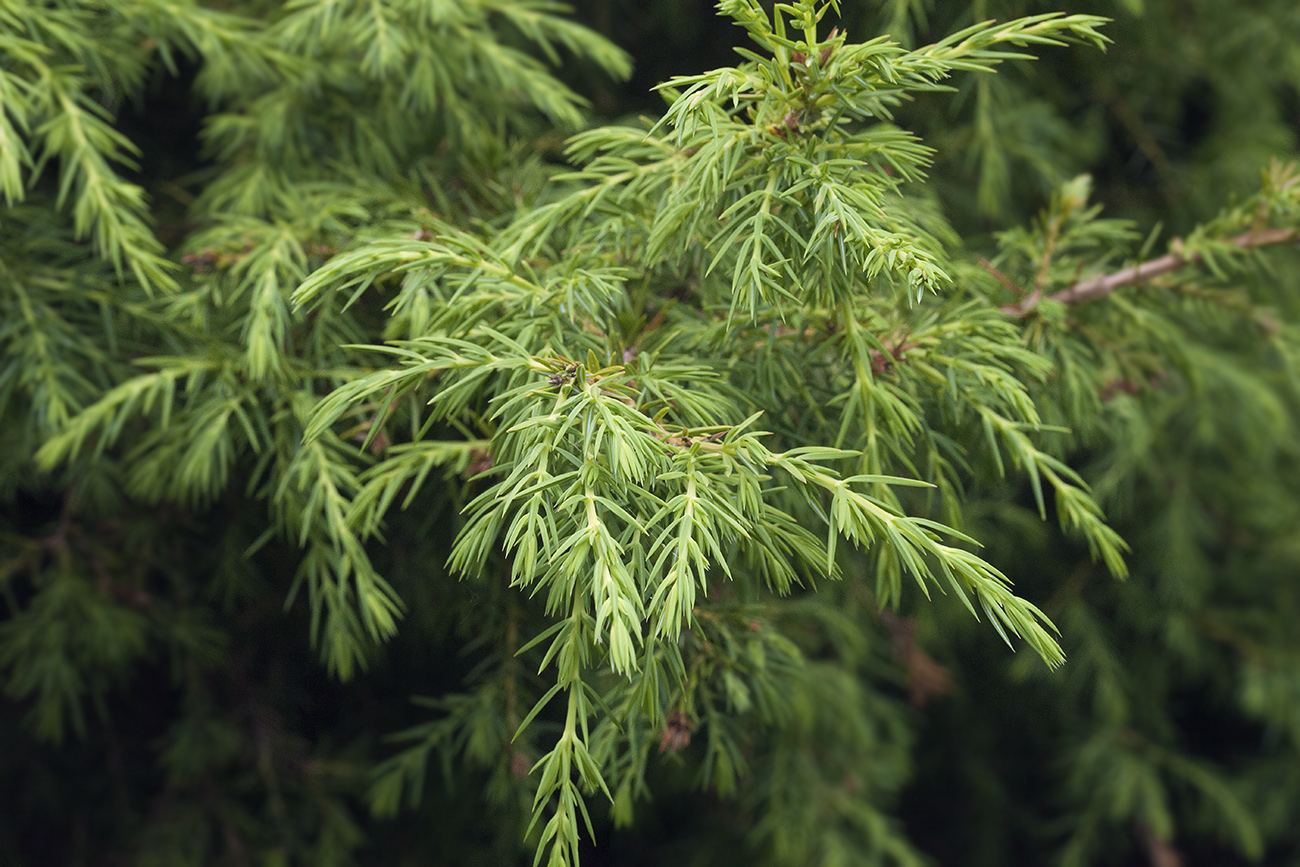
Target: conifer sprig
(279, 206)
(660, 447)
(620, 502)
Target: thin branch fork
(1104, 284)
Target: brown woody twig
(1104, 284)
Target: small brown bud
(202, 262)
(481, 462)
(676, 733)
(519, 764)
(828, 50)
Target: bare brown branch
(1104, 284)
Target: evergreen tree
(810, 474)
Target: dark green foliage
(464, 480)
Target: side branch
(1102, 285)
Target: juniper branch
(1102, 285)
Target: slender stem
(1001, 278)
(512, 666)
(1045, 261)
(1104, 284)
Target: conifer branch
(405, 350)
(1102, 285)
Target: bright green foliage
(631, 460)
(1190, 101)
